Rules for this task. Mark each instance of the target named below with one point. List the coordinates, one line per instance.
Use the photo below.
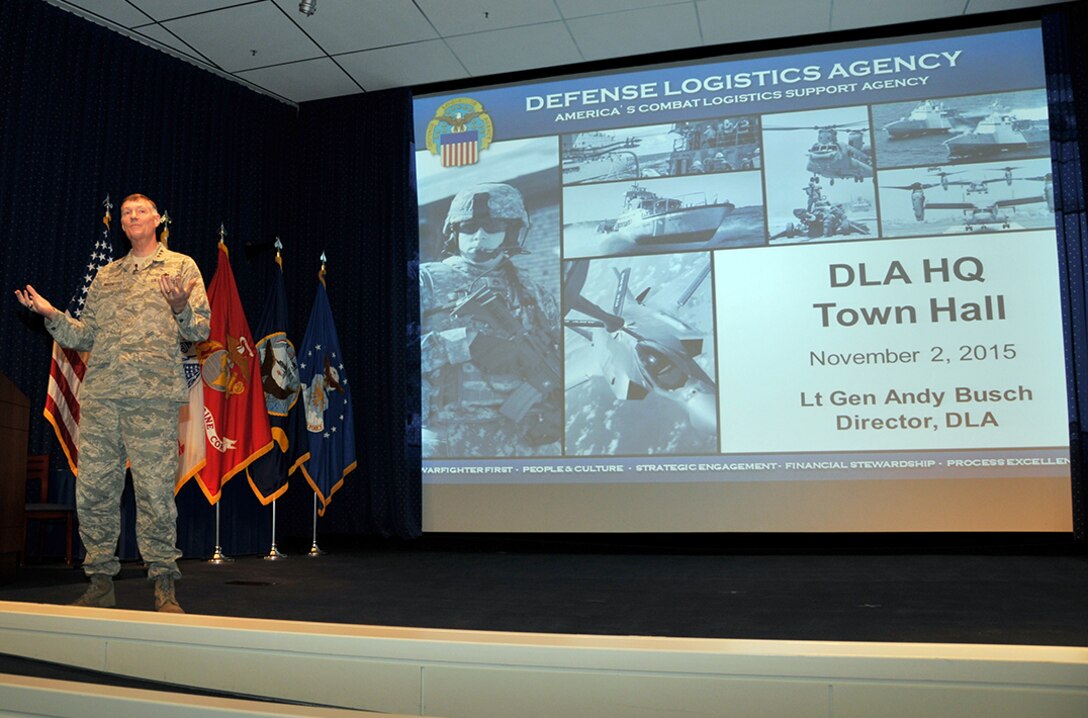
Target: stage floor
(1036, 599)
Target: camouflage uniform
(129, 404)
(462, 403)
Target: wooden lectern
(14, 432)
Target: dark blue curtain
(357, 204)
(1067, 84)
(85, 112)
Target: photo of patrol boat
(1000, 132)
(648, 218)
(927, 118)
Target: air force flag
(323, 440)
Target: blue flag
(280, 379)
(323, 440)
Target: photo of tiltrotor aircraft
(645, 353)
(978, 216)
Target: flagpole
(218, 556)
(315, 551)
(274, 554)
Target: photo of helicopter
(975, 204)
(639, 373)
(834, 172)
(830, 155)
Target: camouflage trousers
(145, 432)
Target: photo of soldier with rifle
(490, 337)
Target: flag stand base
(274, 554)
(219, 557)
(314, 550)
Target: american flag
(459, 148)
(68, 366)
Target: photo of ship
(663, 215)
(980, 128)
(649, 218)
(1001, 133)
(599, 157)
(719, 145)
(928, 117)
(670, 150)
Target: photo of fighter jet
(639, 356)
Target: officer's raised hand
(35, 302)
(176, 294)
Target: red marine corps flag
(67, 367)
(236, 427)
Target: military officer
(138, 310)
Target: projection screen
(813, 291)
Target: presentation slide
(812, 291)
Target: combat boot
(164, 596)
(99, 594)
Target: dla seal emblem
(459, 131)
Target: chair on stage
(37, 471)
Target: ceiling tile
(636, 32)
(302, 81)
(169, 9)
(466, 16)
(725, 21)
(581, 8)
(341, 26)
(415, 64)
(874, 13)
(119, 12)
(229, 37)
(519, 48)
